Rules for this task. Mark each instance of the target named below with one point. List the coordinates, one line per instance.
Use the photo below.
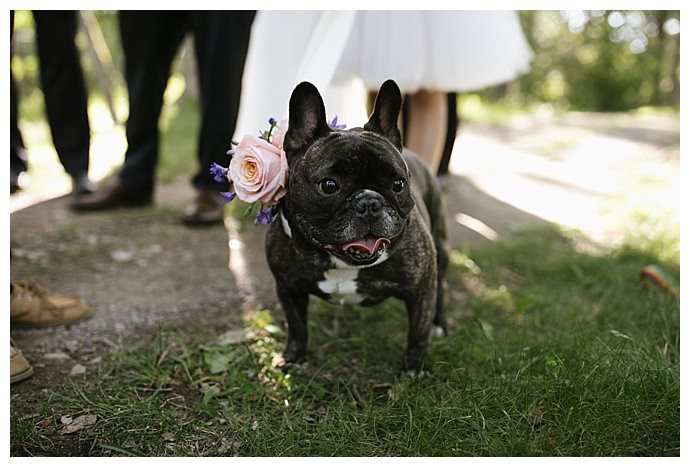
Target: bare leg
(428, 121)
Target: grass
(553, 352)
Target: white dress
(344, 53)
(435, 50)
(286, 48)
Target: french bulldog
(363, 220)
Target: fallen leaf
(278, 360)
(47, 423)
(217, 362)
(66, 419)
(226, 445)
(210, 388)
(79, 423)
(273, 329)
(232, 337)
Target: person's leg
(18, 163)
(62, 81)
(221, 39)
(150, 41)
(426, 129)
(451, 133)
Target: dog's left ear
(384, 119)
(307, 119)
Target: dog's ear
(307, 119)
(384, 119)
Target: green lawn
(554, 351)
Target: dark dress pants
(62, 82)
(150, 41)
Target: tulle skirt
(346, 53)
(435, 50)
(286, 48)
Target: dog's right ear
(307, 119)
(384, 119)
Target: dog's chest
(341, 285)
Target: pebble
(57, 356)
(78, 370)
(121, 256)
(96, 361)
(72, 346)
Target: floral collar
(258, 169)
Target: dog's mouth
(366, 250)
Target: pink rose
(278, 133)
(258, 171)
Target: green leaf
(216, 361)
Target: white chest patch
(341, 281)
(341, 284)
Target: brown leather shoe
(20, 368)
(206, 209)
(31, 306)
(114, 195)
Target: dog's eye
(328, 186)
(398, 185)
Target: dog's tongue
(368, 244)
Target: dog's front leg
(295, 308)
(420, 312)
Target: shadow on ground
(141, 270)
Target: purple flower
(334, 124)
(228, 196)
(220, 173)
(264, 217)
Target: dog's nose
(367, 204)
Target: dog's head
(348, 191)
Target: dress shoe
(82, 185)
(15, 186)
(116, 194)
(206, 209)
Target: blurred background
(598, 78)
(585, 60)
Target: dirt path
(141, 269)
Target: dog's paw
(294, 353)
(416, 364)
(438, 331)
